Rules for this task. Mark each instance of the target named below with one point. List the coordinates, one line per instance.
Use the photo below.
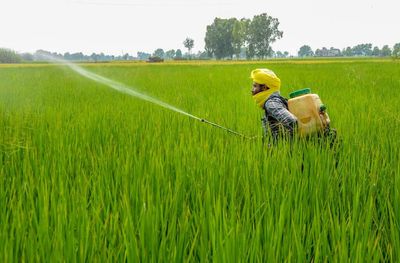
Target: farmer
(266, 86)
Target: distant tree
(102, 57)
(243, 51)
(348, 52)
(78, 56)
(170, 54)
(396, 50)
(273, 54)
(334, 52)
(376, 51)
(159, 53)
(286, 54)
(320, 52)
(9, 56)
(305, 51)
(202, 55)
(27, 57)
(362, 50)
(42, 54)
(219, 38)
(189, 44)
(368, 49)
(126, 56)
(67, 56)
(250, 52)
(357, 50)
(239, 31)
(143, 55)
(251, 38)
(178, 54)
(94, 57)
(385, 51)
(279, 54)
(262, 32)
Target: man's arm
(278, 110)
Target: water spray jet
(129, 91)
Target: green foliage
(376, 52)
(91, 174)
(347, 52)
(178, 54)
(305, 51)
(396, 50)
(362, 50)
(262, 32)
(9, 56)
(189, 44)
(170, 54)
(43, 55)
(219, 38)
(226, 37)
(27, 57)
(239, 35)
(159, 53)
(366, 50)
(250, 52)
(386, 51)
(143, 55)
(280, 54)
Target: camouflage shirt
(278, 120)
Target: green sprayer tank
(310, 112)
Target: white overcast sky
(127, 26)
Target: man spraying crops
(266, 93)
(304, 114)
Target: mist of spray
(119, 86)
(130, 91)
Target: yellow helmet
(267, 77)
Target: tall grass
(90, 174)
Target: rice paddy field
(91, 174)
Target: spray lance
(228, 130)
(132, 92)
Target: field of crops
(91, 174)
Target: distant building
(324, 52)
(334, 52)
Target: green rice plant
(91, 174)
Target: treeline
(170, 54)
(10, 56)
(361, 50)
(41, 55)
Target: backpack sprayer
(310, 112)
